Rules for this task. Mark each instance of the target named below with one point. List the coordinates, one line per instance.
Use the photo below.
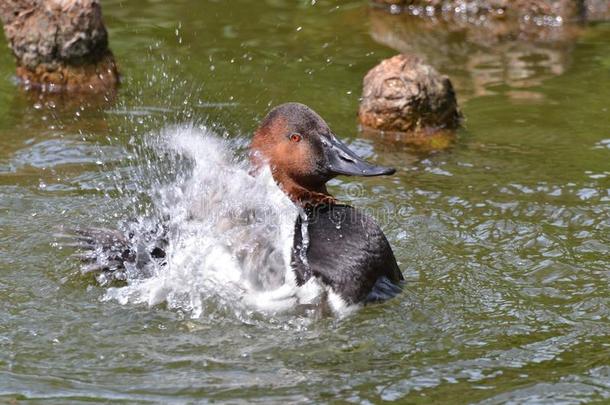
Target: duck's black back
(347, 250)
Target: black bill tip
(343, 161)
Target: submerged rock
(403, 94)
(60, 45)
(541, 12)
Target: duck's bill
(343, 161)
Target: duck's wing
(109, 254)
(347, 250)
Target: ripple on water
(58, 152)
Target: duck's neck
(306, 197)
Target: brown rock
(403, 94)
(539, 12)
(60, 45)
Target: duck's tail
(384, 289)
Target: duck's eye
(295, 138)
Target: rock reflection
(420, 144)
(482, 57)
(72, 113)
(46, 130)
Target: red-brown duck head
(303, 154)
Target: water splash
(229, 233)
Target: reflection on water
(494, 54)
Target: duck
(337, 250)
(334, 243)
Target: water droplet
(395, 9)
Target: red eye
(295, 138)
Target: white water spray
(230, 233)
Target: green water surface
(504, 238)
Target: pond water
(504, 238)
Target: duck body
(335, 251)
(345, 249)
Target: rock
(403, 94)
(60, 45)
(539, 12)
